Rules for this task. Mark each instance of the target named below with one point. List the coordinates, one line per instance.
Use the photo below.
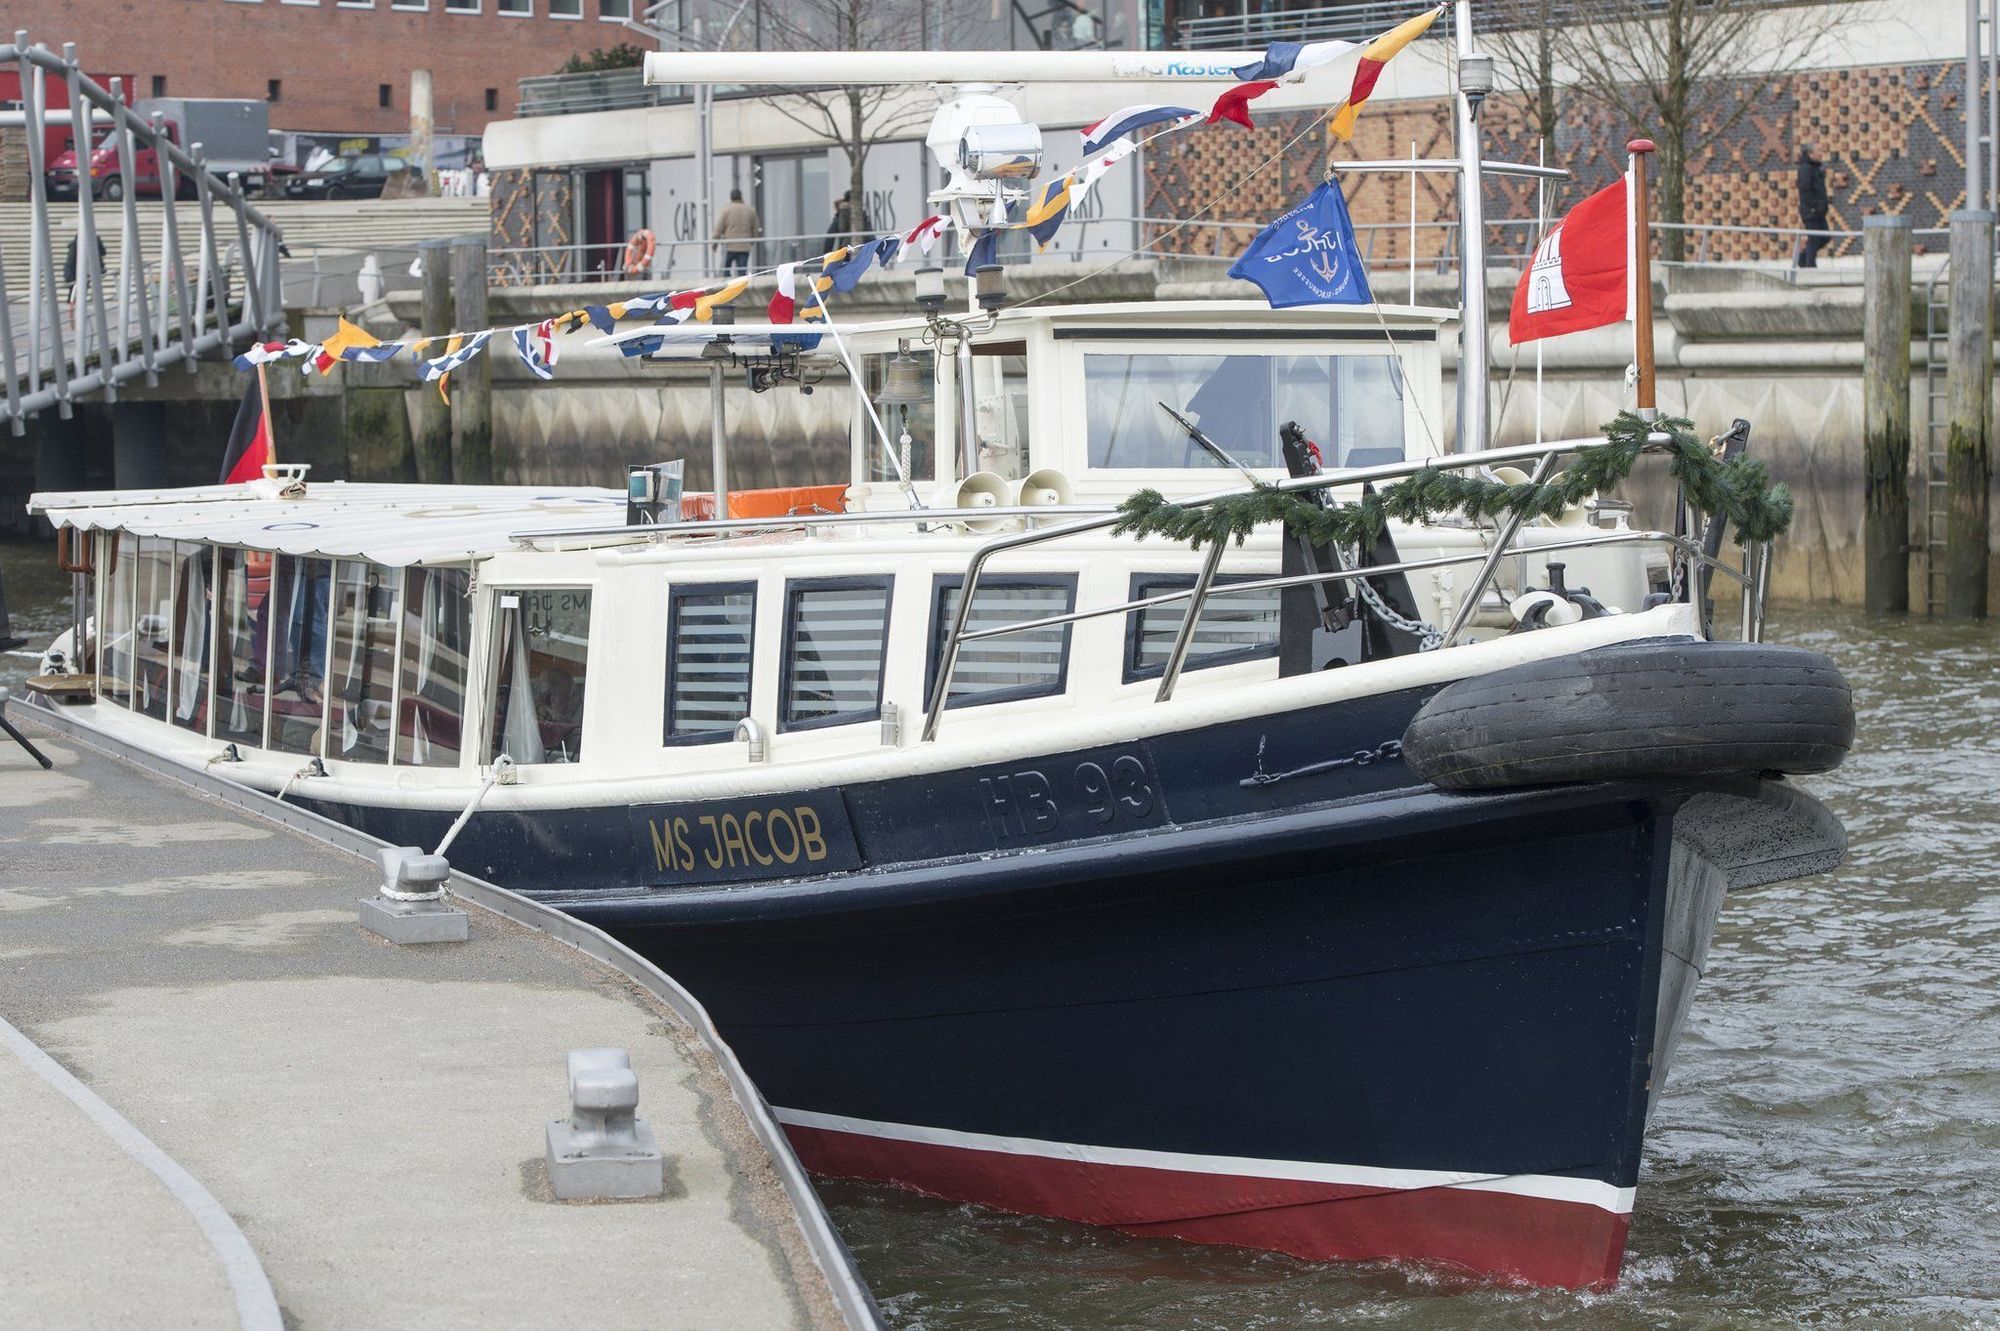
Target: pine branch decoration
(1739, 490)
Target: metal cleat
(603, 1150)
(411, 907)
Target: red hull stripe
(1509, 1233)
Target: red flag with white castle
(1579, 276)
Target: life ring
(1658, 707)
(639, 253)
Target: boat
(1340, 899)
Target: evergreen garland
(1740, 491)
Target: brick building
(333, 67)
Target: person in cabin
(736, 226)
(1812, 206)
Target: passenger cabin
(417, 633)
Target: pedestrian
(1812, 206)
(736, 226)
(845, 222)
(71, 275)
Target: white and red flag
(784, 302)
(1580, 275)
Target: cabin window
(542, 659)
(194, 567)
(437, 637)
(154, 609)
(1032, 663)
(1000, 408)
(836, 631)
(242, 595)
(1351, 404)
(120, 562)
(363, 675)
(1241, 626)
(302, 592)
(709, 632)
(916, 419)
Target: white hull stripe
(1547, 1187)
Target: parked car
(366, 176)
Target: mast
(1472, 337)
(1642, 280)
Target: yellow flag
(704, 309)
(346, 335)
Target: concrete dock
(222, 1103)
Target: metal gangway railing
(62, 341)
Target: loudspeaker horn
(1044, 487)
(982, 489)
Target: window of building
(493, 99)
(274, 89)
(462, 6)
(384, 95)
(409, 4)
(541, 666)
(836, 630)
(614, 11)
(362, 679)
(187, 662)
(1353, 405)
(1238, 627)
(519, 7)
(159, 85)
(242, 599)
(437, 638)
(565, 8)
(301, 592)
(709, 632)
(1030, 664)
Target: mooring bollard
(603, 1150)
(410, 906)
(1886, 413)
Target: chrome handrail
(940, 691)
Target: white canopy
(387, 524)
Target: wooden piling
(1886, 413)
(430, 421)
(1969, 390)
(471, 383)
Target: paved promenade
(222, 1102)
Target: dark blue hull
(1248, 984)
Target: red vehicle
(234, 135)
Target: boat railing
(1689, 556)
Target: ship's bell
(906, 384)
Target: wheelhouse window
(1237, 626)
(918, 420)
(836, 630)
(363, 676)
(119, 556)
(242, 600)
(1351, 404)
(437, 638)
(190, 653)
(709, 634)
(302, 591)
(1000, 408)
(1031, 663)
(542, 663)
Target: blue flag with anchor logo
(1308, 256)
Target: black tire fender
(1657, 707)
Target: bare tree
(1683, 70)
(850, 117)
(1524, 47)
